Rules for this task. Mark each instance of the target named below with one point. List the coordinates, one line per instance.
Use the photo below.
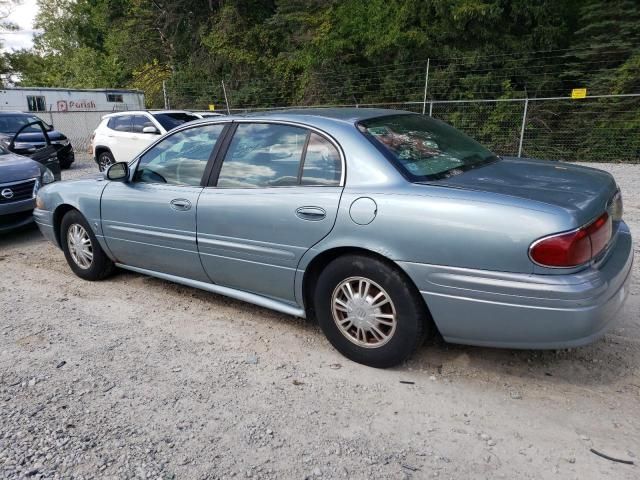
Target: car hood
(14, 168)
(582, 191)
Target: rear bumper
(499, 309)
(16, 214)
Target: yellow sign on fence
(212, 107)
(578, 93)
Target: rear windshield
(169, 121)
(425, 148)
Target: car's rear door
(273, 194)
(150, 221)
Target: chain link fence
(599, 128)
(593, 129)
(77, 126)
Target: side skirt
(227, 292)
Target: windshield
(13, 123)
(425, 148)
(169, 121)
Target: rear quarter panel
(445, 226)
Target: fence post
(524, 123)
(426, 85)
(226, 100)
(431, 108)
(164, 95)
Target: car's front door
(150, 221)
(40, 151)
(275, 195)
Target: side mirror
(118, 172)
(150, 129)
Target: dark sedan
(20, 179)
(32, 138)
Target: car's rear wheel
(81, 248)
(104, 160)
(370, 311)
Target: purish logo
(62, 106)
(82, 105)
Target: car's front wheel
(104, 160)
(81, 248)
(370, 311)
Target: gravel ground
(134, 377)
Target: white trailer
(70, 100)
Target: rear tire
(369, 311)
(82, 250)
(104, 160)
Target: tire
(397, 338)
(104, 160)
(65, 165)
(97, 267)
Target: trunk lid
(582, 191)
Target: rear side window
(263, 155)
(321, 162)
(121, 123)
(271, 155)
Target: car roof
(16, 112)
(347, 114)
(134, 112)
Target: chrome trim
(226, 291)
(19, 182)
(188, 125)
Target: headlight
(64, 142)
(24, 146)
(47, 176)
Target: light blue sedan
(382, 225)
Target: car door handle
(180, 204)
(311, 213)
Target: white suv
(121, 136)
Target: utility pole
(164, 94)
(226, 99)
(426, 85)
(524, 123)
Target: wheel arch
(320, 261)
(58, 215)
(101, 149)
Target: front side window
(171, 120)
(263, 155)
(36, 103)
(139, 122)
(425, 148)
(180, 159)
(121, 123)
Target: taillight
(573, 248)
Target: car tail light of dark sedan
(565, 250)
